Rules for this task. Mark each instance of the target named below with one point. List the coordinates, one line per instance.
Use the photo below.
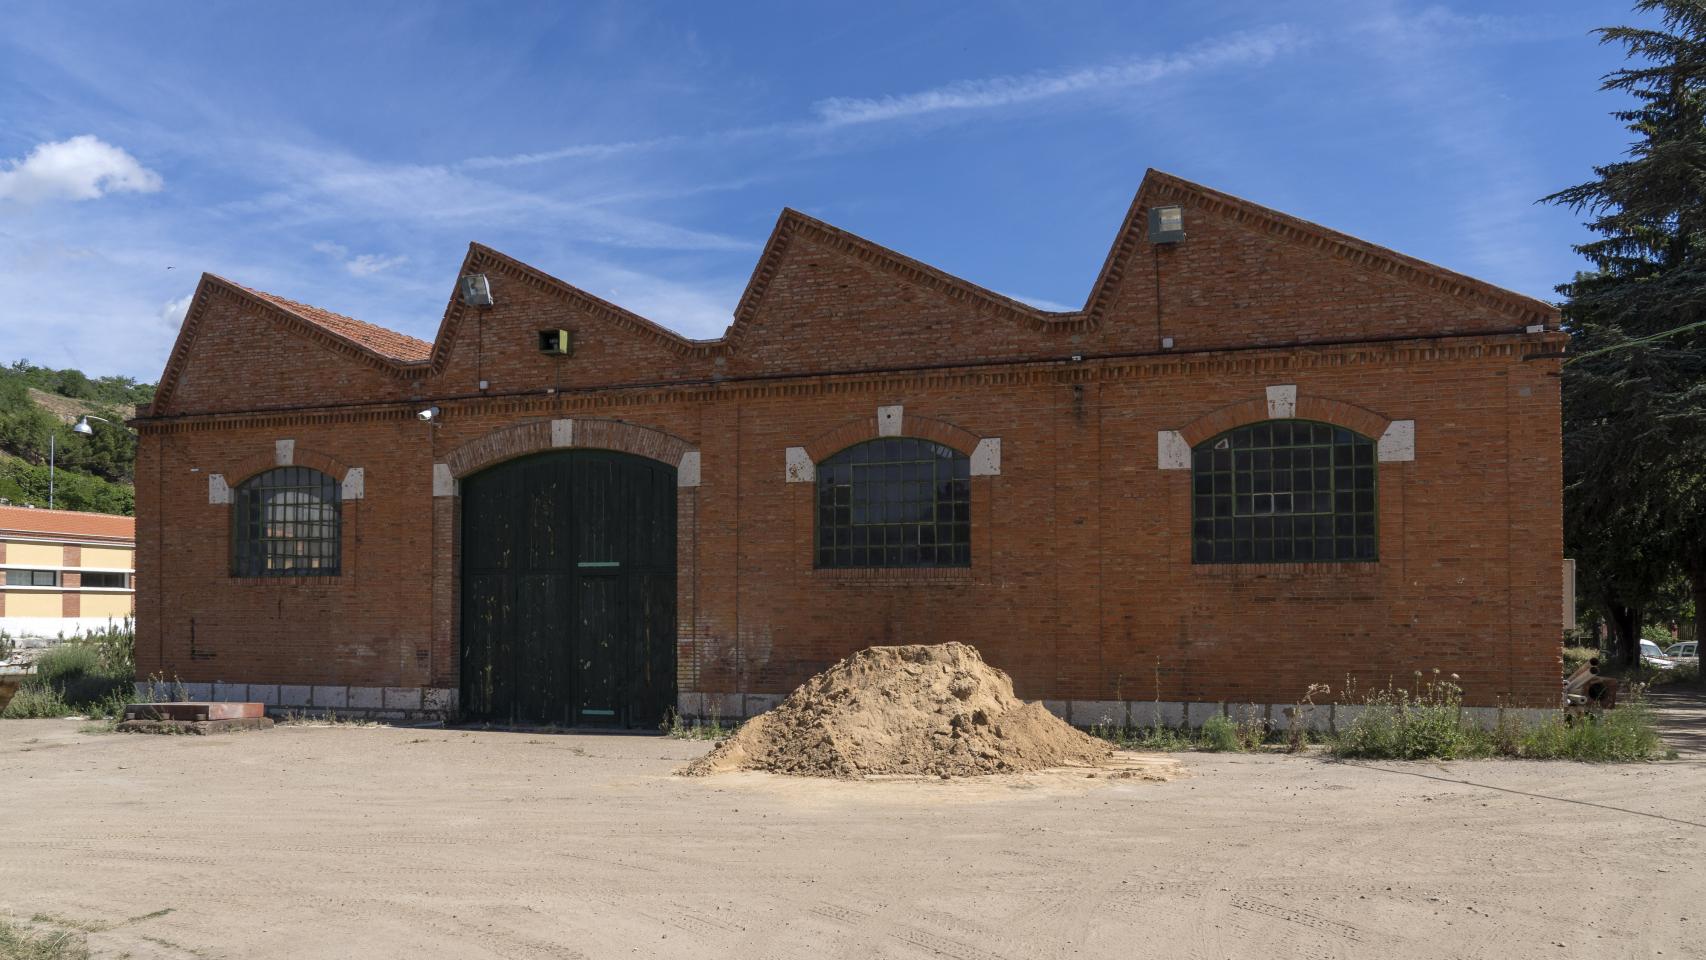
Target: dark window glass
(1284, 491)
(286, 523)
(33, 578)
(894, 502)
(109, 581)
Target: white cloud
(361, 265)
(368, 264)
(81, 168)
(172, 313)
(1243, 49)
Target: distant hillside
(95, 472)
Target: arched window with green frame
(1285, 491)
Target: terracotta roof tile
(386, 343)
(68, 524)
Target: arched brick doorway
(568, 590)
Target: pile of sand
(926, 710)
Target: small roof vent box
(1166, 224)
(476, 290)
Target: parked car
(1681, 651)
(1652, 656)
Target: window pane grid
(286, 524)
(1284, 491)
(894, 502)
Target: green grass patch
(33, 702)
(24, 943)
(1428, 723)
(704, 728)
(93, 675)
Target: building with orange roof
(63, 573)
(1262, 455)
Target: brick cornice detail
(859, 430)
(534, 436)
(1336, 412)
(1276, 362)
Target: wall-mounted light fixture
(1166, 224)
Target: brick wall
(1081, 583)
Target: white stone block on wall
(1171, 450)
(986, 458)
(198, 691)
(366, 698)
(799, 467)
(284, 452)
(889, 421)
(218, 491)
(1398, 443)
(402, 698)
(294, 696)
(1282, 401)
(331, 697)
(355, 484)
(266, 693)
(230, 692)
(687, 471)
(562, 433)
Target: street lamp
(82, 426)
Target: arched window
(286, 523)
(1284, 491)
(894, 502)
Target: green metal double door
(568, 590)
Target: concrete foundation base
(405, 704)
(1117, 714)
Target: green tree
(1635, 393)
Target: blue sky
(345, 154)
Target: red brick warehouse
(1263, 455)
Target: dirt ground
(307, 842)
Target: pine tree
(1635, 394)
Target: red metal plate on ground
(194, 711)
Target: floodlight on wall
(476, 290)
(558, 342)
(1166, 224)
(428, 415)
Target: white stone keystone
(284, 452)
(1171, 450)
(1398, 443)
(889, 421)
(1282, 401)
(986, 458)
(562, 433)
(800, 468)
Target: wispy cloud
(81, 168)
(1245, 49)
(586, 151)
(329, 186)
(360, 265)
(1242, 49)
